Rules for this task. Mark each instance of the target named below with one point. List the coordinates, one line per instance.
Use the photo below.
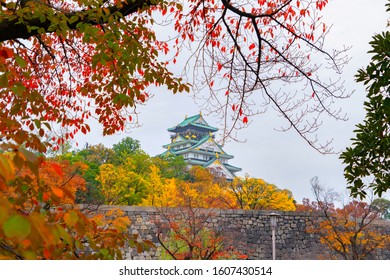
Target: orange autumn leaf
(58, 192)
(57, 168)
(46, 253)
(45, 196)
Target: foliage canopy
(65, 62)
(368, 159)
(350, 231)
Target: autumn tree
(349, 231)
(68, 177)
(121, 185)
(200, 190)
(256, 194)
(184, 232)
(92, 156)
(161, 192)
(367, 160)
(116, 172)
(38, 219)
(63, 63)
(96, 154)
(185, 236)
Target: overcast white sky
(283, 159)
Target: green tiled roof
(167, 152)
(185, 141)
(232, 168)
(203, 140)
(192, 121)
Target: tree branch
(9, 249)
(17, 27)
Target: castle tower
(193, 139)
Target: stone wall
(248, 231)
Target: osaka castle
(194, 140)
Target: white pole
(273, 245)
(273, 228)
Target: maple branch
(259, 80)
(17, 27)
(239, 12)
(9, 249)
(245, 73)
(165, 247)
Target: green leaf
(73, 19)
(15, 109)
(42, 18)
(25, 188)
(104, 252)
(3, 80)
(17, 227)
(29, 255)
(65, 236)
(386, 104)
(18, 89)
(20, 61)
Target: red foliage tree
(63, 63)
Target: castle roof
(196, 122)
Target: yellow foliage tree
(161, 191)
(256, 194)
(200, 191)
(120, 185)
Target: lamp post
(273, 217)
